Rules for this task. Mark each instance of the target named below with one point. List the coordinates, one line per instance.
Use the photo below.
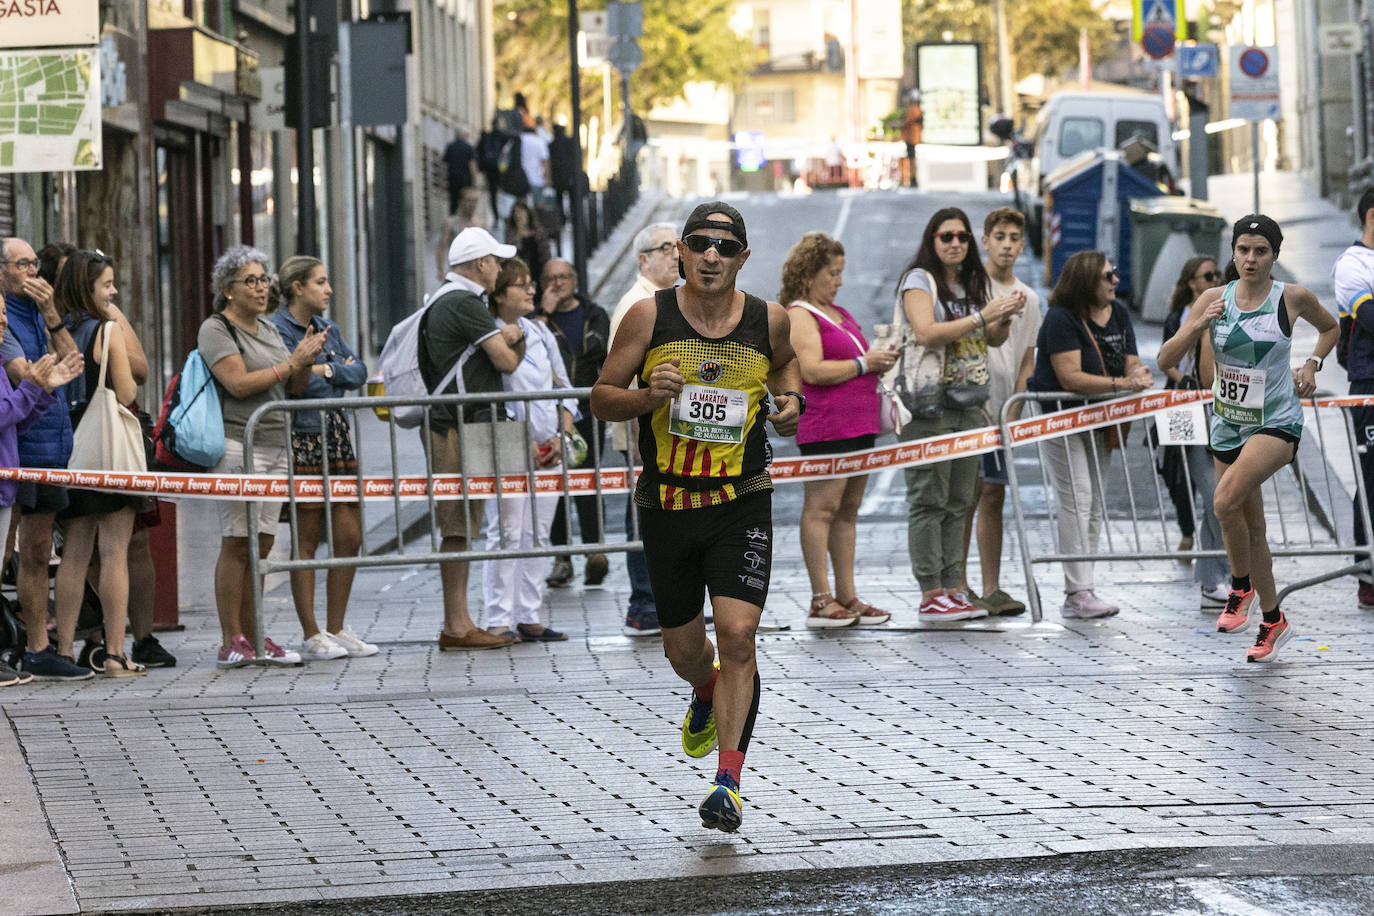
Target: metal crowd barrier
(1304, 511)
(494, 446)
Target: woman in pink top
(840, 381)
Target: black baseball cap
(700, 219)
(1258, 224)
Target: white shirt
(534, 152)
(541, 369)
(1005, 361)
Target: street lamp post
(305, 139)
(579, 238)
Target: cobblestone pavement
(415, 771)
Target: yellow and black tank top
(707, 446)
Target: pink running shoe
(1236, 616)
(238, 653)
(941, 608)
(1272, 637)
(274, 654)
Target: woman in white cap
(1246, 333)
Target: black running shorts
(726, 550)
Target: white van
(1075, 121)
(1078, 121)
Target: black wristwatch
(801, 400)
(57, 327)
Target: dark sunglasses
(962, 237)
(1209, 276)
(1109, 273)
(726, 248)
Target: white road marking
(1218, 900)
(842, 219)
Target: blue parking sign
(1198, 60)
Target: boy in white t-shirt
(1009, 365)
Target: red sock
(707, 692)
(730, 763)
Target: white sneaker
(1214, 597)
(351, 644)
(321, 648)
(1086, 606)
(1111, 608)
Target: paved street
(1135, 764)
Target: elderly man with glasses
(656, 245)
(36, 329)
(583, 331)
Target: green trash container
(1165, 233)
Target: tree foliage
(681, 44)
(1043, 33)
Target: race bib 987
(1238, 395)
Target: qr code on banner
(1181, 426)
(1185, 425)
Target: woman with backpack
(252, 366)
(300, 296)
(84, 295)
(944, 293)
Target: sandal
(828, 614)
(869, 616)
(543, 634)
(119, 666)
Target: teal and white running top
(1252, 387)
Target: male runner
(707, 356)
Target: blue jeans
(641, 594)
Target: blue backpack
(189, 435)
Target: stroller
(90, 623)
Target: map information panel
(50, 110)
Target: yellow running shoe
(721, 809)
(699, 728)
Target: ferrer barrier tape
(617, 480)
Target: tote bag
(913, 387)
(108, 438)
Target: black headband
(1258, 224)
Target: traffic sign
(625, 55)
(1254, 83)
(624, 20)
(1163, 13)
(1195, 61)
(1157, 38)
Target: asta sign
(49, 23)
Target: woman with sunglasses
(840, 382)
(1198, 275)
(945, 295)
(1245, 330)
(250, 362)
(1086, 346)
